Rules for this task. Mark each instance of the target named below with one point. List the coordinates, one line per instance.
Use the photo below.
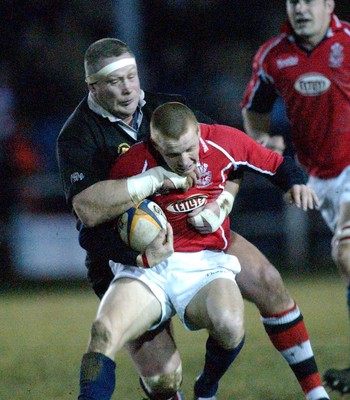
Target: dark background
(202, 49)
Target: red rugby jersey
(222, 149)
(316, 90)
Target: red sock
(288, 334)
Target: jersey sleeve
(77, 155)
(260, 94)
(248, 155)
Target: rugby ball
(139, 225)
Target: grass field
(44, 333)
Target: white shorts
(175, 281)
(332, 193)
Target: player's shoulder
(221, 134)
(138, 148)
(345, 28)
(338, 25)
(133, 161)
(142, 153)
(81, 120)
(272, 47)
(346, 25)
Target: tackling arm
(101, 202)
(105, 200)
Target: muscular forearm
(108, 199)
(102, 202)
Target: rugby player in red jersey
(211, 152)
(308, 65)
(114, 115)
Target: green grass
(44, 333)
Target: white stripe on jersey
(261, 70)
(145, 166)
(237, 163)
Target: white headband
(103, 72)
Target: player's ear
(331, 5)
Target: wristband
(209, 219)
(225, 201)
(145, 260)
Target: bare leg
(261, 283)
(339, 379)
(126, 311)
(157, 361)
(218, 307)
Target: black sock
(217, 362)
(97, 377)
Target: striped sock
(288, 334)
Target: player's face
(181, 155)
(118, 92)
(310, 18)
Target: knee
(341, 247)
(228, 328)
(101, 337)
(163, 387)
(270, 278)
(341, 256)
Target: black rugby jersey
(87, 146)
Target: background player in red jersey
(308, 65)
(189, 283)
(114, 115)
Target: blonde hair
(172, 120)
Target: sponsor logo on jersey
(312, 84)
(336, 56)
(76, 177)
(205, 178)
(123, 148)
(287, 62)
(187, 205)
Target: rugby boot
(178, 395)
(204, 390)
(338, 379)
